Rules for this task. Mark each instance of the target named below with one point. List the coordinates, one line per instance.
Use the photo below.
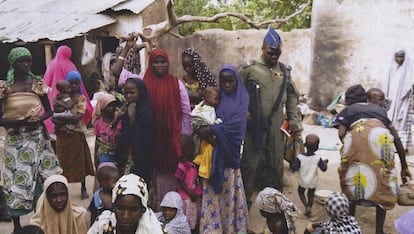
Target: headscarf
(337, 207)
(138, 135)
(15, 54)
(355, 94)
(166, 107)
(399, 108)
(72, 220)
(273, 201)
(232, 109)
(57, 70)
(201, 70)
(134, 185)
(179, 224)
(272, 39)
(103, 101)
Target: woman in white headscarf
(55, 212)
(172, 215)
(131, 212)
(398, 87)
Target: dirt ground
(329, 146)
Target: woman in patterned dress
(28, 156)
(224, 207)
(367, 170)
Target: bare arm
(405, 172)
(46, 105)
(130, 42)
(341, 132)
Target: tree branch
(153, 33)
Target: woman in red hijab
(171, 110)
(57, 70)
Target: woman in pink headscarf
(57, 70)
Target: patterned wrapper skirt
(225, 212)
(74, 156)
(367, 168)
(28, 160)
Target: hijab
(232, 109)
(166, 107)
(201, 70)
(138, 134)
(337, 207)
(15, 54)
(72, 220)
(132, 184)
(57, 70)
(103, 101)
(179, 224)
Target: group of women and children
(145, 151)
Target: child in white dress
(307, 164)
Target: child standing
(63, 104)
(135, 148)
(307, 164)
(172, 218)
(107, 128)
(189, 183)
(107, 175)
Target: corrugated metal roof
(136, 6)
(56, 20)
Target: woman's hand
(405, 172)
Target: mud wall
(354, 41)
(218, 47)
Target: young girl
(172, 217)
(136, 139)
(107, 175)
(107, 128)
(189, 183)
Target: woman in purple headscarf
(224, 208)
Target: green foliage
(256, 10)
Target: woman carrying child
(224, 207)
(72, 148)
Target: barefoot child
(107, 128)
(307, 164)
(107, 175)
(189, 183)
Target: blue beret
(272, 39)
